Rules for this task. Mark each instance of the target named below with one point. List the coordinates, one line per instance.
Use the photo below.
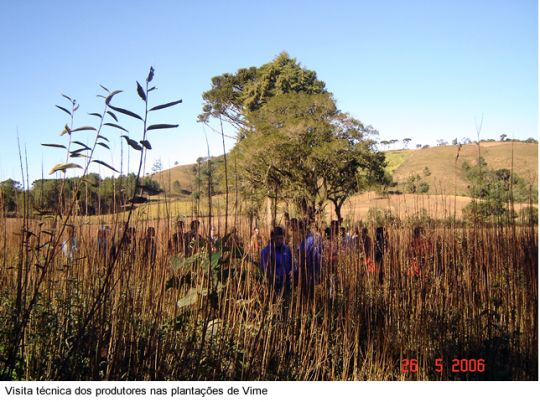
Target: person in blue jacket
(276, 261)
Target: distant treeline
(96, 196)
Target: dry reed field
(167, 316)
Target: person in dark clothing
(176, 242)
(192, 239)
(334, 229)
(380, 249)
(327, 233)
(149, 241)
(131, 239)
(104, 243)
(126, 247)
(310, 252)
(276, 261)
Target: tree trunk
(269, 212)
(338, 203)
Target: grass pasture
(446, 174)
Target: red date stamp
(455, 366)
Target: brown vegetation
(178, 318)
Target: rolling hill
(446, 176)
(183, 174)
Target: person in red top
(366, 245)
(418, 251)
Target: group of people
(109, 243)
(297, 254)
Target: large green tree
(233, 96)
(9, 194)
(302, 149)
(350, 163)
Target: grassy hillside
(446, 174)
(395, 159)
(181, 173)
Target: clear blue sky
(419, 69)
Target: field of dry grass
(356, 208)
(172, 317)
(403, 205)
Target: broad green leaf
(189, 261)
(176, 262)
(146, 144)
(166, 105)
(161, 126)
(215, 260)
(189, 299)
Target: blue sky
(418, 69)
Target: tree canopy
(302, 149)
(233, 96)
(293, 142)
